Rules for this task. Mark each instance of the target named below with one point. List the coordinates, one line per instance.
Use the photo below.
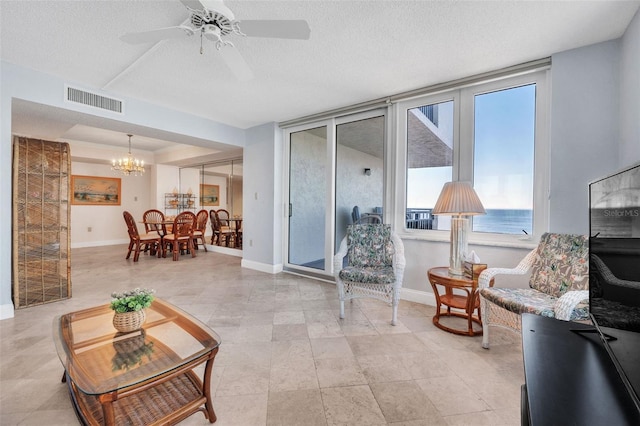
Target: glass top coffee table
(143, 377)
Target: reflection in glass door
(333, 167)
(359, 174)
(307, 197)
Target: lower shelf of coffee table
(165, 403)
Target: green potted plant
(129, 307)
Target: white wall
(106, 222)
(585, 119)
(167, 179)
(630, 94)
(263, 207)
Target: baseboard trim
(262, 267)
(224, 250)
(7, 311)
(99, 243)
(418, 296)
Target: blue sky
(503, 153)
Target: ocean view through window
(504, 129)
(484, 134)
(503, 221)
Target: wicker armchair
(375, 266)
(559, 285)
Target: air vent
(94, 100)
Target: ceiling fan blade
(193, 4)
(292, 29)
(210, 5)
(236, 63)
(157, 35)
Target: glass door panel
(359, 173)
(308, 197)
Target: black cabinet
(570, 379)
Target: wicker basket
(126, 322)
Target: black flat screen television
(614, 271)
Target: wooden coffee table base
(468, 332)
(468, 302)
(160, 402)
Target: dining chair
(201, 227)
(212, 220)
(153, 222)
(139, 241)
(238, 236)
(182, 236)
(222, 231)
(223, 215)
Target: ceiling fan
(212, 20)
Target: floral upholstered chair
(558, 287)
(374, 268)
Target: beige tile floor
(285, 358)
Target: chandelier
(128, 165)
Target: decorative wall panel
(41, 222)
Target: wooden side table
(440, 277)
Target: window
(504, 134)
(491, 134)
(429, 161)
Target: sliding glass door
(334, 168)
(307, 197)
(359, 173)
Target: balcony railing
(421, 219)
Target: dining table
(162, 227)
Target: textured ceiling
(358, 51)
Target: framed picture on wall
(95, 190)
(209, 195)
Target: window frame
(463, 154)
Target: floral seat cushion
(562, 264)
(527, 300)
(367, 275)
(370, 246)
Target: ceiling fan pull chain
(201, 49)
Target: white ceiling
(358, 51)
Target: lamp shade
(458, 198)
